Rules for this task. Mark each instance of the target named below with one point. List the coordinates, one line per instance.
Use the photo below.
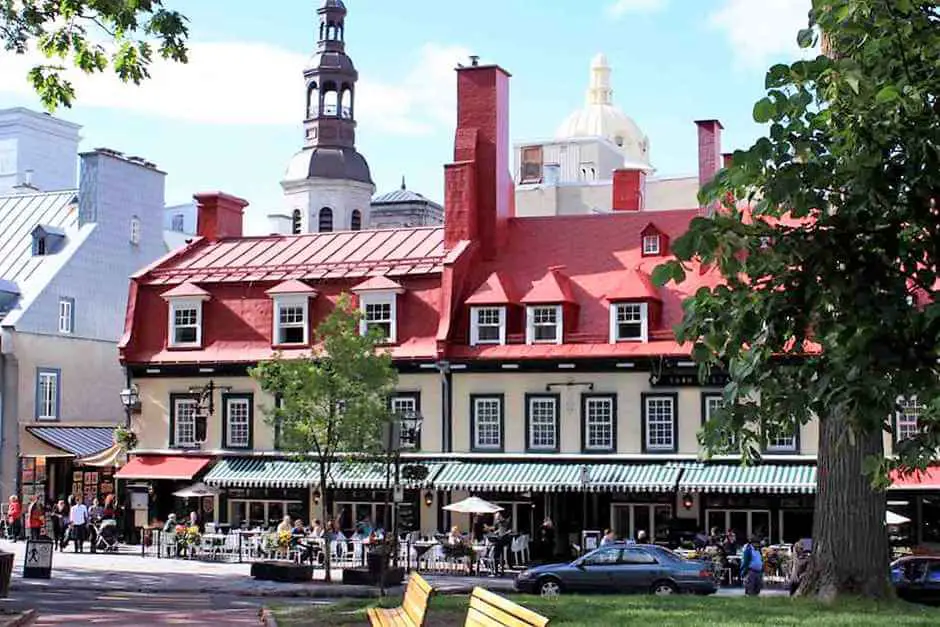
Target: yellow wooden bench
(491, 610)
(413, 609)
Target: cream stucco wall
(628, 388)
(152, 424)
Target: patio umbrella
(895, 519)
(196, 490)
(473, 505)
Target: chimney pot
(628, 190)
(709, 150)
(219, 215)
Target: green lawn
(595, 611)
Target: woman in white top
(285, 525)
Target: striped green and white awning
(556, 477)
(767, 478)
(256, 472)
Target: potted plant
(125, 438)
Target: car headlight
(525, 574)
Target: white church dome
(600, 118)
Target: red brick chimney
(219, 215)
(709, 150)
(629, 186)
(478, 190)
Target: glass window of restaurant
(260, 507)
(357, 509)
(653, 516)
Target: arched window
(330, 97)
(295, 222)
(356, 222)
(326, 220)
(346, 102)
(313, 100)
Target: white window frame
(530, 444)
(135, 230)
(66, 316)
(615, 326)
(611, 423)
(179, 442)
(530, 324)
(285, 302)
(380, 298)
(475, 421)
(229, 440)
(774, 444)
(47, 394)
(475, 325)
(710, 399)
(673, 423)
(910, 406)
(652, 244)
(179, 304)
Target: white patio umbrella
(473, 505)
(895, 519)
(196, 490)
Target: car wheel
(549, 587)
(662, 588)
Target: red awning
(163, 467)
(927, 480)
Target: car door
(593, 572)
(636, 570)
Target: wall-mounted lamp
(687, 500)
(316, 497)
(428, 498)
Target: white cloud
(758, 30)
(257, 83)
(618, 8)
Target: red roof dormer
(554, 288)
(653, 242)
(496, 290)
(636, 286)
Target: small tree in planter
(334, 400)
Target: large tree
(90, 35)
(333, 402)
(827, 234)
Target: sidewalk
(131, 573)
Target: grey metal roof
(19, 215)
(79, 441)
(400, 196)
(329, 162)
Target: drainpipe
(443, 367)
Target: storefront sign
(37, 562)
(685, 379)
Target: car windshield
(661, 553)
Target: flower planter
(284, 572)
(363, 577)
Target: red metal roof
(163, 467)
(495, 290)
(293, 286)
(343, 254)
(633, 285)
(554, 287)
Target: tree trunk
(327, 508)
(850, 543)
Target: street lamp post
(130, 399)
(402, 433)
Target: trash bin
(6, 572)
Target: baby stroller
(106, 533)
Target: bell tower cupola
(329, 181)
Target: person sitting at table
(609, 536)
(285, 525)
(454, 538)
(318, 531)
(364, 527)
(479, 528)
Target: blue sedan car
(620, 567)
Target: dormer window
(47, 240)
(487, 325)
(531, 165)
(185, 315)
(291, 313)
(651, 245)
(629, 322)
(378, 304)
(544, 324)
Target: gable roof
(378, 284)
(337, 255)
(293, 286)
(633, 284)
(496, 290)
(554, 287)
(185, 290)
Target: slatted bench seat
(491, 610)
(413, 609)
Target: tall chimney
(629, 186)
(219, 215)
(709, 152)
(481, 156)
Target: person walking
(60, 522)
(798, 566)
(78, 518)
(95, 513)
(14, 514)
(752, 568)
(34, 518)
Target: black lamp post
(205, 408)
(402, 433)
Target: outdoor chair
(492, 610)
(413, 609)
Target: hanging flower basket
(125, 438)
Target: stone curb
(267, 617)
(26, 618)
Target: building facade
(64, 260)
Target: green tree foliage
(827, 308)
(91, 35)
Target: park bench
(413, 609)
(491, 610)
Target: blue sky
(231, 119)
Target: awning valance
(76, 441)
(172, 467)
(557, 477)
(928, 479)
(766, 478)
(256, 472)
